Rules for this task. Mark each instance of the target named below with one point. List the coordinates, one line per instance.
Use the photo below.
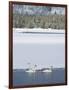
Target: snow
(49, 30)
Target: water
(50, 38)
(44, 50)
(20, 77)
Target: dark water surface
(20, 77)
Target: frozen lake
(53, 37)
(42, 49)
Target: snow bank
(49, 30)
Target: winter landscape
(38, 45)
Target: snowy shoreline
(39, 30)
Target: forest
(25, 16)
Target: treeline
(31, 21)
